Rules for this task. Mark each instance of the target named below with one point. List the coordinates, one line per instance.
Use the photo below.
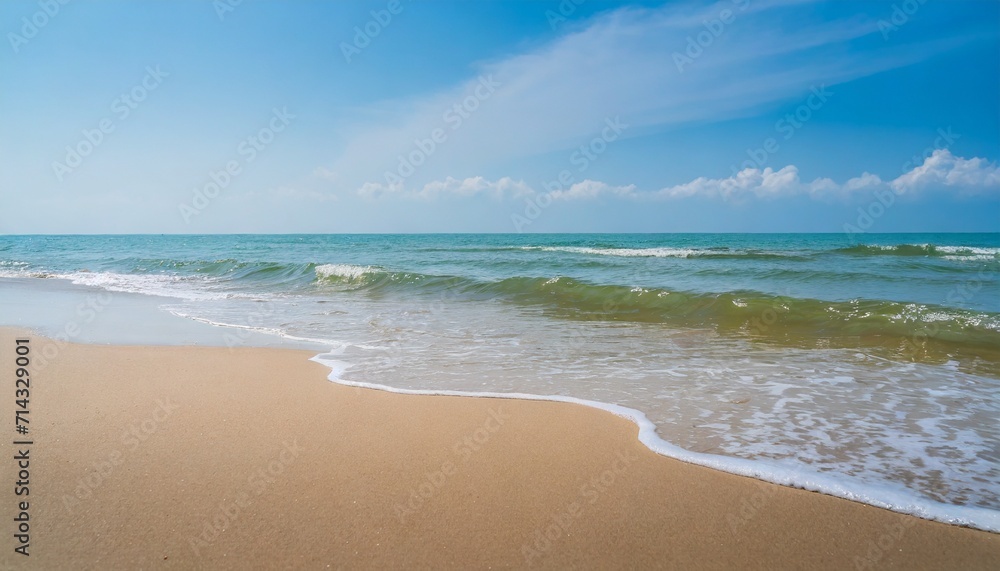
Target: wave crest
(345, 272)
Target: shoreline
(973, 517)
(379, 478)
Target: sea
(861, 366)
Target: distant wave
(928, 250)
(667, 252)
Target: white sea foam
(275, 331)
(626, 252)
(887, 496)
(348, 271)
(22, 274)
(17, 270)
(969, 253)
(958, 253)
(190, 288)
(968, 250)
(976, 258)
(163, 285)
(955, 252)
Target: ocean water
(866, 368)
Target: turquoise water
(876, 363)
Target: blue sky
(735, 116)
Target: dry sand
(181, 457)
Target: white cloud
(592, 189)
(940, 171)
(450, 186)
(943, 169)
(864, 183)
(761, 183)
(767, 183)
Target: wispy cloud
(623, 62)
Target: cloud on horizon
(466, 187)
(940, 171)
